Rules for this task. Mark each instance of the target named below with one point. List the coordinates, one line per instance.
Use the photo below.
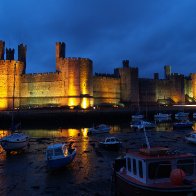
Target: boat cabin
(109, 140)
(56, 150)
(155, 165)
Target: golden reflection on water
(38, 133)
(194, 127)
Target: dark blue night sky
(149, 33)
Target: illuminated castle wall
(73, 83)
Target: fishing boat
(102, 128)
(155, 171)
(111, 143)
(59, 155)
(16, 140)
(183, 124)
(190, 138)
(141, 124)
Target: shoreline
(59, 116)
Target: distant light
(186, 105)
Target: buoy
(177, 176)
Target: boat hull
(61, 162)
(112, 147)
(11, 146)
(123, 187)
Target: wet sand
(89, 174)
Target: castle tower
(60, 54)
(9, 54)
(22, 50)
(2, 49)
(125, 63)
(167, 69)
(60, 50)
(129, 83)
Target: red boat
(155, 171)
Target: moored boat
(155, 171)
(181, 114)
(14, 142)
(183, 124)
(59, 155)
(190, 138)
(137, 116)
(102, 128)
(111, 143)
(141, 124)
(162, 115)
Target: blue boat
(59, 155)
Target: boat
(190, 138)
(111, 143)
(155, 171)
(181, 114)
(102, 128)
(59, 155)
(183, 124)
(162, 116)
(137, 116)
(141, 124)
(16, 140)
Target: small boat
(181, 114)
(142, 124)
(155, 171)
(102, 128)
(183, 124)
(111, 143)
(190, 138)
(162, 116)
(137, 116)
(14, 142)
(59, 155)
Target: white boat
(15, 141)
(181, 114)
(102, 128)
(59, 155)
(111, 143)
(162, 115)
(141, 124)
(137, 116)
(190, 138)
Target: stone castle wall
(106, 89)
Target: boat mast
(146, 138)
(13, 97)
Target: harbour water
(25, 173)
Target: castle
(74, 85)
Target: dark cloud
(149, 33)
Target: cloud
(148, 33)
